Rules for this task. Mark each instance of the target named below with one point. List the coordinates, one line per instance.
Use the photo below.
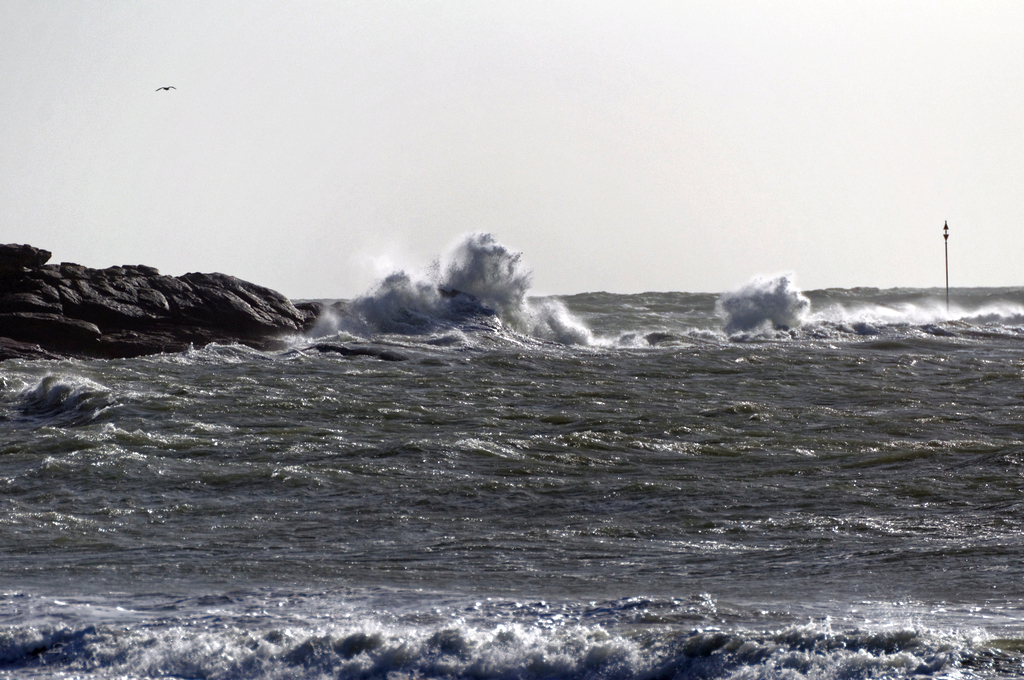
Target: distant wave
(922, 312)
(479, 294)
(774, 308)
(481, 285)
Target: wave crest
(65, 400)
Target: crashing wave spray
(480, 285)
(761, 302)
(482, 267)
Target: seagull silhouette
(169, 87)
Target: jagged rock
(57, 332)
(15, 258)
(12, 349)
(132, 310)
(30, 302)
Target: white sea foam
(764, 303)
(924, 315)
(479, 285)
(1005, 313)
(236, 648)
(915, 313)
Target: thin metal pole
(945, 238)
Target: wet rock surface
(51, 311)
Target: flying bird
(169, 87)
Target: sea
(453, 478)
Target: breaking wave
(481, 285)
(64, 400)
(514, 650)
(774, 303)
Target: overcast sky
(621, 146)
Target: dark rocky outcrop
(67, 310)
(376, 352)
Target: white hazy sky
(621, 146)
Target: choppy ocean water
(764, 484)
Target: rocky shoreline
(51, 311)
